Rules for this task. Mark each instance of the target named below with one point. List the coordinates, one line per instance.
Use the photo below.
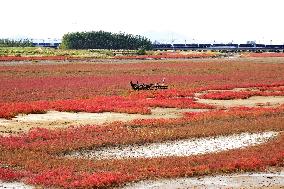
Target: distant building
(52, 43)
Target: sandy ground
(272, 180)
(236, 58)
(14, 185)
(191, 147)
(177, 148)
(245, 180)
(54, 119)
(253, 101)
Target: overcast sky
(163, 20)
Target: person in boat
(163, 81)
(160, 84)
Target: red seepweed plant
(46, 166)
(37, 157)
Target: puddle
(246, 180)
(177, 148)
(249, 102)
(55, 119)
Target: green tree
(15, 43)
(104, 40)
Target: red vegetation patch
(268, 54)
(272, 87)
(137, 102)
(211, 116)
(46, 168)
(24, 83)
(69, 179)
(8, 174)
(37, 157)
(133, 104)
(233, 113)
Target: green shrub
(141, 51)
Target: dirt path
(54, 119)
(232, 59)
(245, 180)
(177, 148)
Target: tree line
(15, 43)
(104, 40)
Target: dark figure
(151, 86)
(134, 86)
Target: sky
(178, 21)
